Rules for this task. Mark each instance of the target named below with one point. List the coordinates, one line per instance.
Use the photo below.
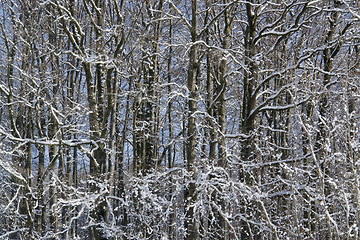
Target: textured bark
(251, 77)
(248, 123)
(191, 224)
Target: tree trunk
(248, 123)
(191, 224)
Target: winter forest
(179, 119)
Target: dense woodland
(179, 119)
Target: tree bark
(191, 224)
(248, 123)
